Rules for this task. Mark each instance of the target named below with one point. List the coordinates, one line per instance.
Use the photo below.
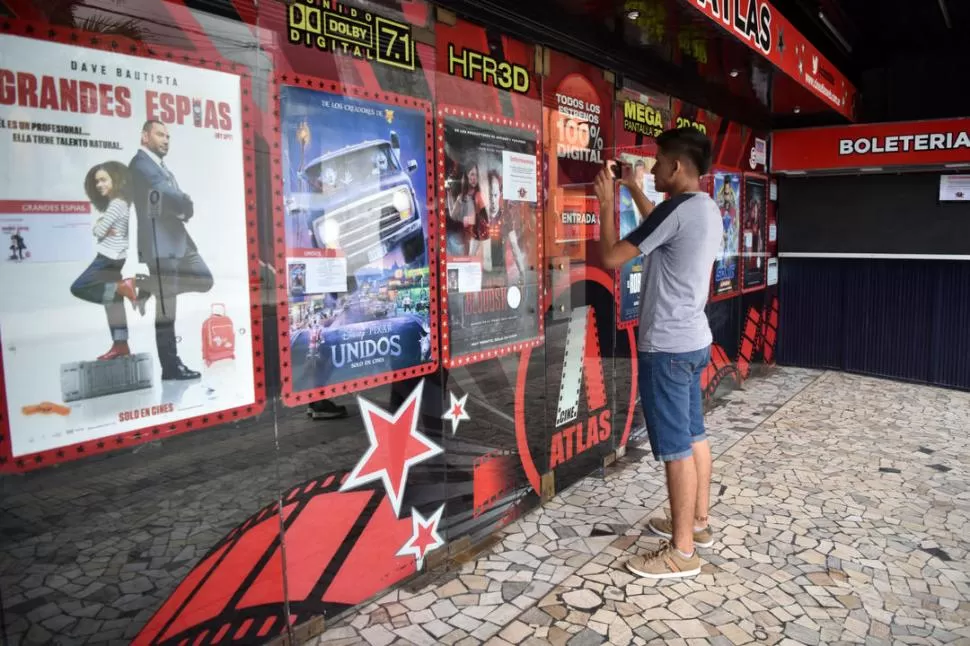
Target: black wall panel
(885, 214)
(902, 319)
(810, 314)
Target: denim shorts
(670, 391)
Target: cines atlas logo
(750, 19)
(583, 357)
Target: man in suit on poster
(164, 244)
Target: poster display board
(754, 234)
(726, 275)
(640, 118)
(490, 194)
(124, 296)
(356, 215)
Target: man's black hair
(147, 126)
(687, 144)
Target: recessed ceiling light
(633, 14)
(797, 110)
(734, 74)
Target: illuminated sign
(642, 119)
(476, 66)
(331, 26)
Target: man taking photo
(679, 239)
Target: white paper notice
(317, 275)
(772, 271)
(772, 232)
(748, 239)
(773, 191)
(955, 188)
(519, 177)
(465, 276)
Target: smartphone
(618, 168)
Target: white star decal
(457, 411)
(424, 537)
(395, 447)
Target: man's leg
(164, 286)
(702, 466)
(682, 487)
(193, 274)
(665, 393)
(701, 456)
(701, 448)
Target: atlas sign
(749, 19)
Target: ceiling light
(798, 110)
(835, 32)
(633, 14)
(734, 74)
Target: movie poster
(754, 236)
(631, 273)
(124, 294)
(727, 193)
(355, 198)
(491, 197)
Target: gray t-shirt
(680, 240)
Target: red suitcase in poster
(218, 336)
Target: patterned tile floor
(840, 505)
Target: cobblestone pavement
(839, 504)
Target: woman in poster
(107, 187)
(468, 212)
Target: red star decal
(395, 446)
(425, 536)
(456, 412)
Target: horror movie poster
(490, 196)
(124, 290)
(355, 198)
(727, 192)
(754, 238)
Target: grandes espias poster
(491, 199)
(124, 285)
(355, 207)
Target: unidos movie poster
(492, 238)
(124, 293)
(727, 193)
(631, 273)
(754, 236)
(355, 206)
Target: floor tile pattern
(839, 504)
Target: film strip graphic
(583, 356)
(769, 332)
(759, 335)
